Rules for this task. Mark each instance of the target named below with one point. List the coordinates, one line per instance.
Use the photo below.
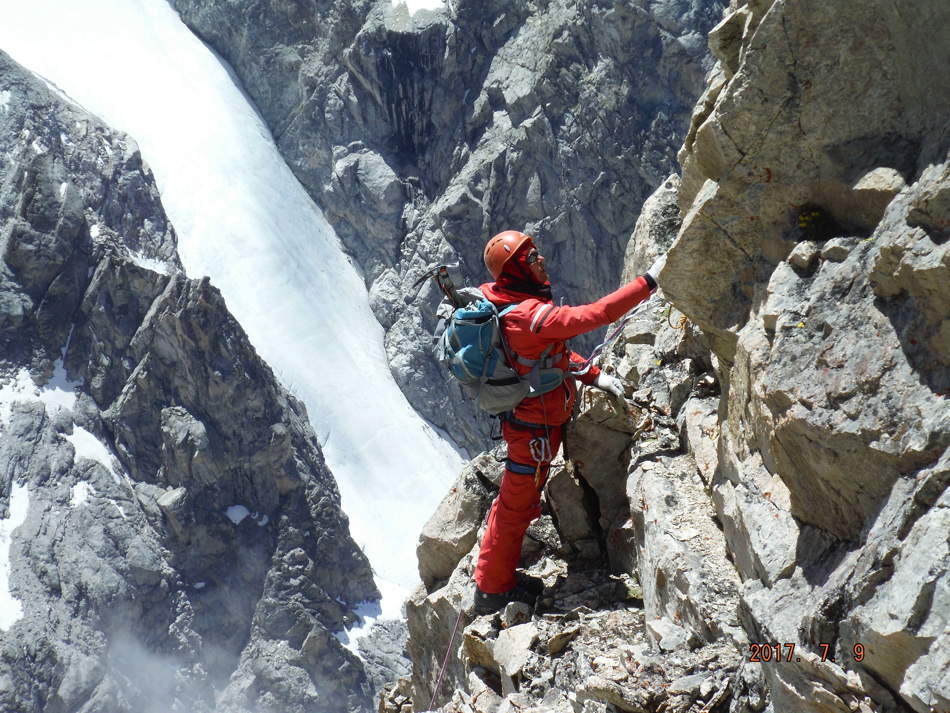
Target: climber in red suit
(533, 431)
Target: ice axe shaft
(448, 287)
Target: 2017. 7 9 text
(761, 653)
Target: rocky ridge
(175, 539)
(802, 369)
(640, 608)
(422, 135)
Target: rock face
(783, 447)
(640, 607)
(814, 254)
(175, 539)
(423, 135)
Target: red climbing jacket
(537, 323)
(529, 329)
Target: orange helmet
(502, 247)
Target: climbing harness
(438, 685)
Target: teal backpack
(473, 348)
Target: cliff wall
(776, 481)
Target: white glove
(655, 268)
(610, 384)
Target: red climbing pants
(516, 506)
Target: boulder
(452, 530)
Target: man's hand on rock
(610, 384)
(656, 267)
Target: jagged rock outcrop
(814, 255)
(421, 136)
(172, 537)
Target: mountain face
(814, 254)
(172, 539)
(794, 393)
(760, 525)
(422, 136)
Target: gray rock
(513, 647)
(688, 685)
(837, 249)
(599, 445)
(803, 255)
(384, 654)
(699, 434)
(655, 230)
(452, 530)
(681, 565)
(901, 623)
(668, 635)
(575, 517)
(432, 619)
(759, 158)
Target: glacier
(243, 219)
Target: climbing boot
(529, 583)
(486, 603)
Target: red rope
(446, 662)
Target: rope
(585, 367)
(682, 319)
(445, 663)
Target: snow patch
(149, 263)
(119, 508)
(80, 494)
(417, 5)
(5, 101)
(200, 585)
(57, 394)
(89, 447)
(389, 607)
(60, 381)
(62, 189)
(237, 513)
(11, 609)
(94, 231)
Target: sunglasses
(532, 256)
